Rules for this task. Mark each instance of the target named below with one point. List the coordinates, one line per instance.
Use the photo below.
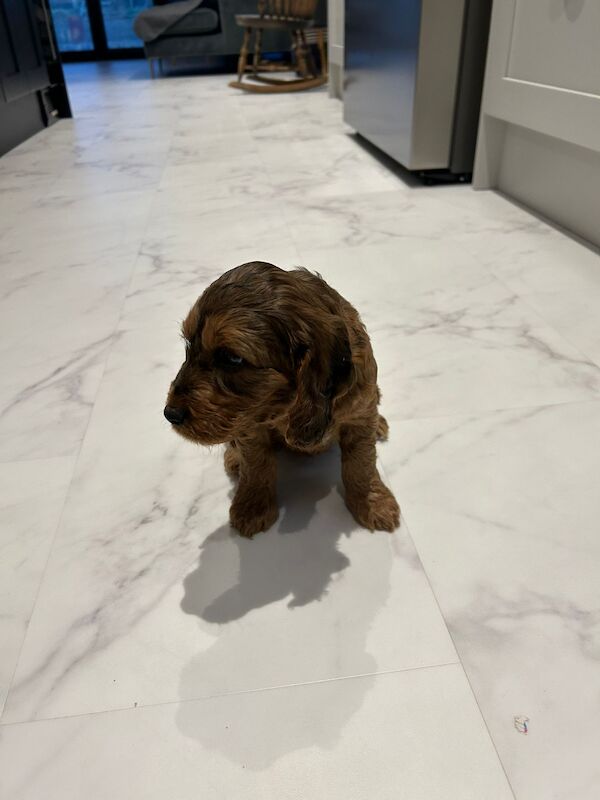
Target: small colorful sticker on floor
(522, 724)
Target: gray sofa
(210, 30)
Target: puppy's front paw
(383, 429)
(231, 460)
(377, 511)
(253, 513)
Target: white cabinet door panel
(522, 88)
(565, 52)
(542, 75)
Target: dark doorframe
(97, 26)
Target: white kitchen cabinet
(335, 23)
(539, 135)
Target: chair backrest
(297, 9)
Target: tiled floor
(145, 651)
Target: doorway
(95, 30)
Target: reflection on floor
(317, 660)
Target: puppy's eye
(226, 358)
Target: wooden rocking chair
(296, 16)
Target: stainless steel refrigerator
(413, 79)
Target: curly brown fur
(280, 358)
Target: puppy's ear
(324, 368)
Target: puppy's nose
(175, 415)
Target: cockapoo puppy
(276, 358)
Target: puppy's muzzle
(176, 416)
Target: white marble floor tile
(325, 167)
(504, 508)
(44, 155)
(193, 146)
(89, 132)
(111, 217)
(140, 97)
(28, 173)
(164, 288)
(415, 734)
(557, 275)
(31, 500)
(114, 147)
(168, 597)
(290, 119)
(94, 176)
(229, 236)
(380, 217)
(45, 407)
(54, 358)
(19, 193)
(183, 252)
(448, 336)
(78, 134)
(196, 188)
(214, 115)
(23, 262)
(571, 313)
(87, 294)
(117, 140)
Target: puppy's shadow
(285, 608)
(296, 559)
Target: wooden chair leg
(300, 55)
(243, 59)
(294, 56)
(322, 52)
(309, 56)
(257, 50)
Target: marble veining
(129, 569)
(33, 495)
(508, 536)
(431, 741)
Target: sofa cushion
(202, 20)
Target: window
(72, 25)
(96, 26)
(118, 18)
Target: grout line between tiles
(237, 693)
(587, 359)
(112, 336)
(460, 662)
(479, 413)
(464, 244)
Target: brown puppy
(279, 358)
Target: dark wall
(23, 72)
(18, 121)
